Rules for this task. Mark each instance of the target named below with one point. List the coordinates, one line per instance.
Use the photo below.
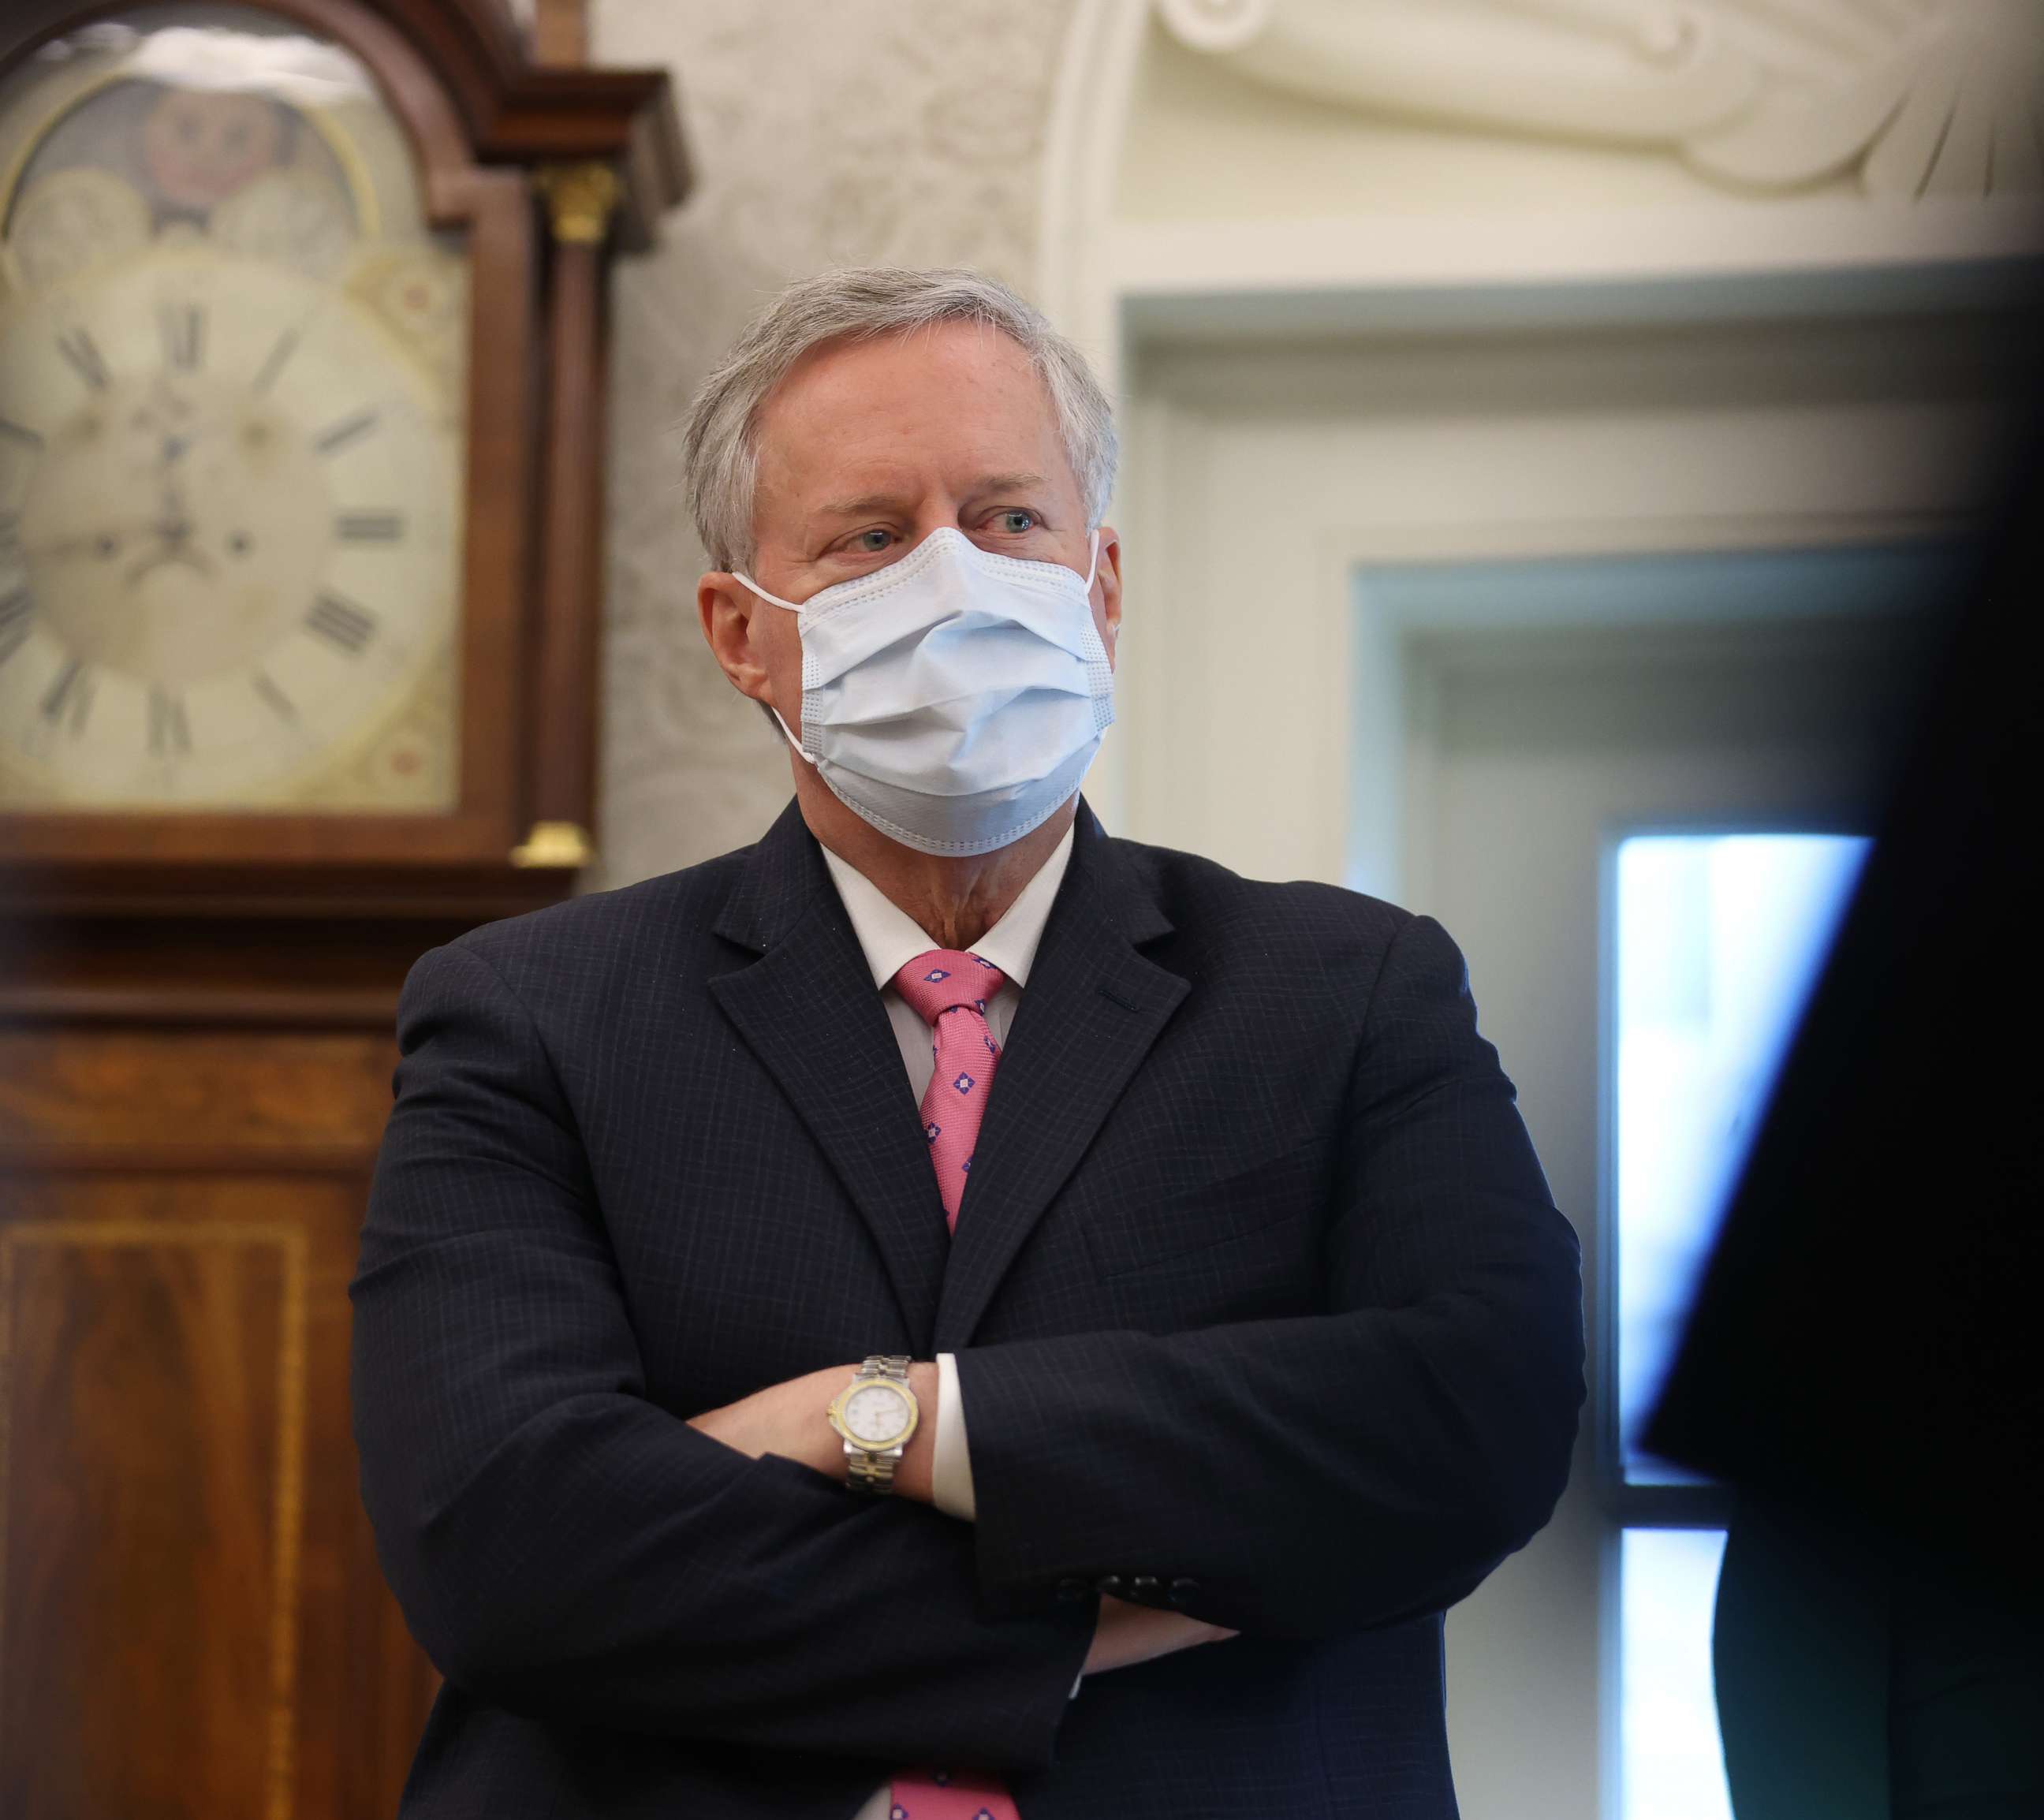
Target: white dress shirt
(890, 939)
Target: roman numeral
(337, 437)
(340, 622)
(288, 345)
(184, 329)
(71, 694)
(168, 728)
(78, 347)
(265, 686)
(16, 611)
(20, 433)
(369, 527)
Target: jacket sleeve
(565, 1547)
(1327, 1473)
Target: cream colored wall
(905, 131)
(1262, 476)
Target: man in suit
(946, 1312)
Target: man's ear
(726, 606)
(1107, 584)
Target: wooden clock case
(196, 1016)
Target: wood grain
(246, 1092)
(180, 1199)
(155, 1408)
(569, 665)
(191, 1621)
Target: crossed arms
(787, 1419)
(563, 1545)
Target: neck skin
(955, 902)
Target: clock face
(230, 382)
(877, 1413)
(231, 532)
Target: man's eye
(871, 543)
(1017, 521)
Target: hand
(785, 1418)
(789, 1419)
(1126, 1633)
(104, 543)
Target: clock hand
(103, 543)
(175, 552)
(175, 534)
(198, 425)
(176, 525)
(173, 528)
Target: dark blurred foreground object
(1864, 1361)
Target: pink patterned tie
(951, 992)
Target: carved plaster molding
(1917, 97)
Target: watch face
(877, 1414)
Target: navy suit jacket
(1261, 1307)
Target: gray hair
(720, 444)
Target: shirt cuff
(951, 1463)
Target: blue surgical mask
(954, 698)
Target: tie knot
(944, 979)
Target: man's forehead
(926, 373)
(857, 424)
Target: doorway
(1583, 742)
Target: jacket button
(1184, 1591)
(1071, 1589)
(1144, 1587)
(1109, 1583)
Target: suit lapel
(1091, 1010)
(808, 1008)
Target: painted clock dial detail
(234, 527)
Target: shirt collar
(890, 939)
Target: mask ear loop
(793, 607)
(739, 575)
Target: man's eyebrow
(885, 501)
(855, 508)
(1004, 483)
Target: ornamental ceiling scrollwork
(1913, 97)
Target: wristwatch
(876, 1413)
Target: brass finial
(581, 199)
(558, 843)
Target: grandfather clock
(301, 365)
